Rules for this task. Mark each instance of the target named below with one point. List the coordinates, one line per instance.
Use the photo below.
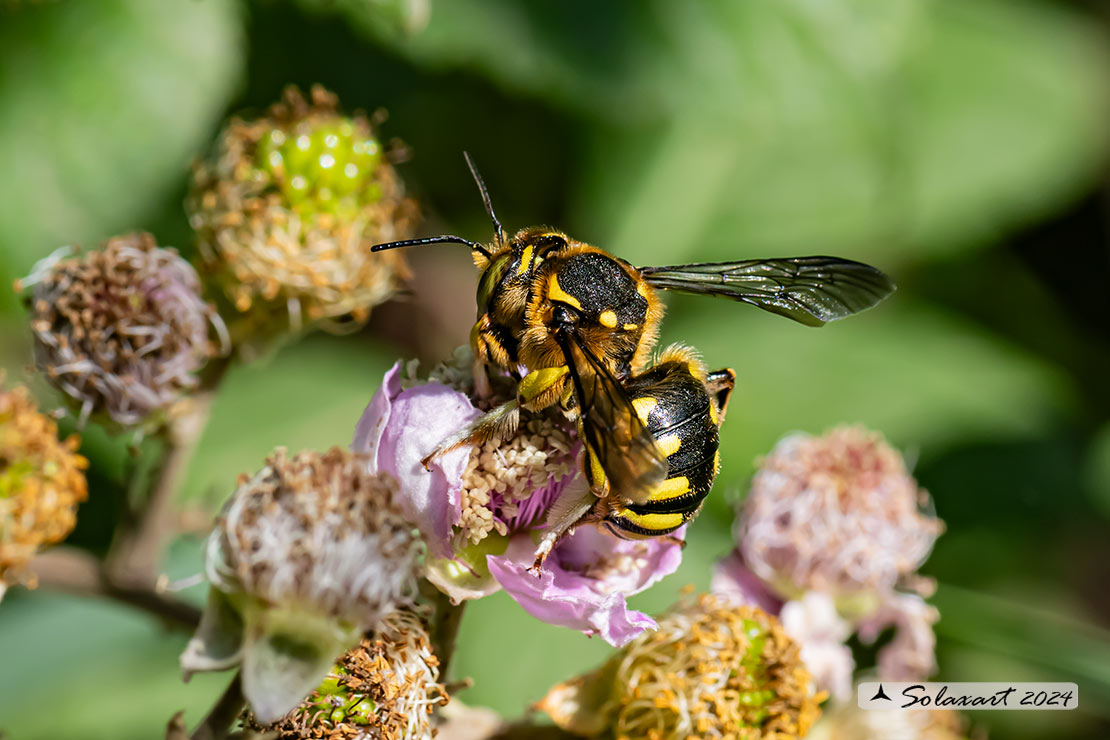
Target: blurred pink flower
(813, 623)
(837, 513)
(831, 527)
(910, 656)
(735, 581)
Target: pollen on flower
(121, 330)
(41, 483)
(711, 670)
(509, 484)
(287, 210)
(386, 688)
(838, 513)
(318, 532)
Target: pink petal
(401, 427)
(575, 590)
(371, 425)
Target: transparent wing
(611, 429)
(810, 290)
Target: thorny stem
(76, 571)
(215, 726)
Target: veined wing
(810, 290)
(619, 448)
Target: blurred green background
(961, 146)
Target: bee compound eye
(563, 314)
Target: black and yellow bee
(576, 327)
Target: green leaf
(926, 379)
(105, 103)
(1097, 471)
(308, 397)
(1046, 636)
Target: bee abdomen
(677, 410)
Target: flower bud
(288, 208)
(121, 330)
(837, 513)
(710, 670)
(308, 554)
(386, 687)
(41, 483)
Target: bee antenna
(445, 239)
(499, 232)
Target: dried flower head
(309, 553)
(41, 483)
(288, 208)
(711, 670)
(837, 513)
(121, 330)
(846, 721)
(386, 688)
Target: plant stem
(136, 556)
(215, 726)
(77, 572)
(446, 631)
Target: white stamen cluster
(318, 532)
(501, 474)
(837, 513)
(121, 330)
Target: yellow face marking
(713, 415)
(669, 444)
(643, 407)
(654, 520)
(525, 260)
(631, 327)
(608, 318)
(538, 381)
(597, 473)
(671, 488)
(556, 293)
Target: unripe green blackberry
(287, 209)
(386, 688)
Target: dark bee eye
(563, 314)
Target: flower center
(509, 485)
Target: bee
(575, 327)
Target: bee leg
(572, 506)
(499, 423)
(481, 381)
(670, 539)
